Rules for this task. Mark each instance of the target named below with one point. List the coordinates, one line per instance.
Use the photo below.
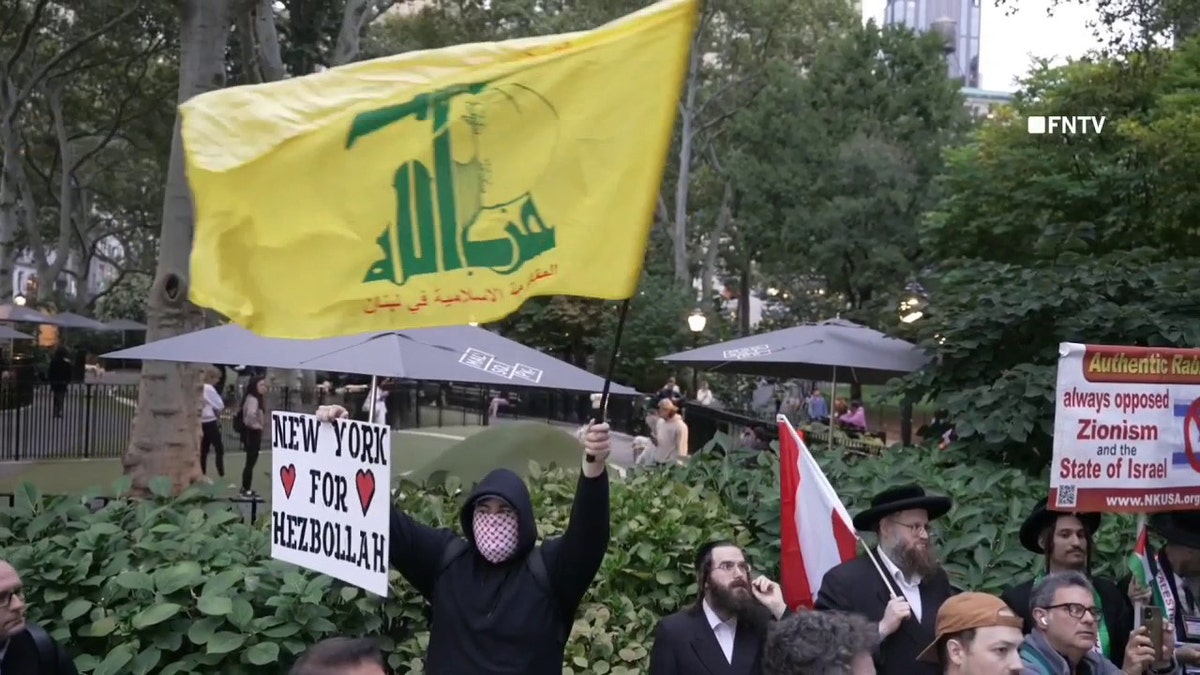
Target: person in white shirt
(724, 631)
(379, 395)
(210, 423)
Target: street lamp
(19, 300)
(696, 323)
(910, 310)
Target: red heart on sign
(365, 482)
(287, 476)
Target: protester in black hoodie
(501, 604)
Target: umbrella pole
(371, 408)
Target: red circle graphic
(1192, 419)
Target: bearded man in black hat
(1175, 567)
(905, 605)
(1065, 540)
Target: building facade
(99, 276)
(920, 15)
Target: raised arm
(573, 559)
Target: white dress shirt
(724, 630)
(911, 588)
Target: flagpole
(612, 365)
(1137, 604)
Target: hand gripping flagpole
(612, 366)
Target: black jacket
(684, 644)
(1118, 613)
(21, 657)
(497, 619)
(855, 586)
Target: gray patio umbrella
(7, 333)
(834, 350)
(456, 354)
(124, 324)
(21, 314)
(73, 320)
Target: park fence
(94, 420)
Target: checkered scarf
(496, 535)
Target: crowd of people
(503, 603)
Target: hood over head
(506, 485)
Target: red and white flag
(817, 532)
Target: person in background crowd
(936, 428)
(58, 374)
(840, 407)
(704, 395)
(818, 407)
(500, 603)
(1176, 570)
(977, 634)
(811, 643)
(916, 583)
(670, 436)
(725, 629)
(254, 420)
(222, 375)
(378, 413)
(1065, 540)
(210, 422)
(25, 648)
(669, 391)
(341, 656)
(855, 419)
(1065, 628)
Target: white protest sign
(330, 489)
(1126, 429)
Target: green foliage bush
(977, 539)
(182, 586)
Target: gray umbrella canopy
(73, 320)
(454, 354)
(25, 315)
(831, 350)
(124, 324)
(7, 333)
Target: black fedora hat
(899, 499)
(1181, 528)
(1031, 530)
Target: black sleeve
(833, 594)
(65, 665)
(416, 550)
(662, 655)
(573, 559)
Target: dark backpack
(536, 564)
(239, 425)
(46, 649)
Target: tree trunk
(724, 219)
(165, 437)
(687, 133)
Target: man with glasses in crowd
(905, 606)
(1066, 624)
(724, 631)
(25, 649)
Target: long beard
(916, 561)
(738, 601)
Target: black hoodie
(496, 619)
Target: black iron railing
(89, 420)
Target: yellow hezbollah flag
(436, 188)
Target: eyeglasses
(1076, 610)
(729, 566)
(6, 597)
(918, 528)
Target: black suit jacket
(684, 644)
(1118, 613)
(855, 586)
(21, 658)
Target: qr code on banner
(1066, 496)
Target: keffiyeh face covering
(496, 535)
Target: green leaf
(160, 486)
(224, 642)
(186, 574)
(263, 653)
(155, 614)
(214, 606)
(115, 662)
(135, 580)
(76, 609)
